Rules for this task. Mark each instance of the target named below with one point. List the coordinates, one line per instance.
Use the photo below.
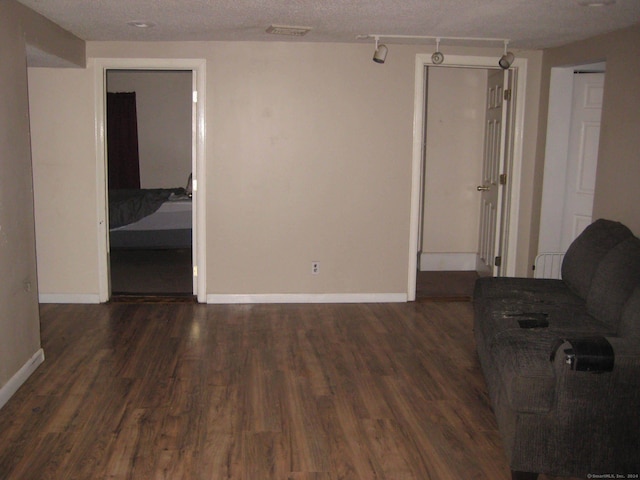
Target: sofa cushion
(587, 250)
(496, 316)
(526, 290)
(615, 279)
(630, 319)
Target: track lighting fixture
(437, 57)
(507, 59)
(380, 55)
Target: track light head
(437, 58)
(506, 60)
(380, 55)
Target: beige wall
(617, 195)
(19, 320)
(308, 158)
(453, 165)
(47, 43)
(64, 172)
(163, 101)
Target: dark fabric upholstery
(629, 326)
(555, 419)
(617, 275)
(584, 255)
(526, 290)
(522, 360)
(505, 315)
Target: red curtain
(122, 141)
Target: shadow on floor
(151, 272)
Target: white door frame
(511, 207)
(198, 132)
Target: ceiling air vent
(288, 30)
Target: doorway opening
(151, 234)
(445, 193)
(148, 137)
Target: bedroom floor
(151, 272)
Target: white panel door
(582, 157)
(489, 240)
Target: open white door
(582, 160)
(493, 174)
(571, 157)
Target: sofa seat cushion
(528, 290)
(523, 368)
(494, 317)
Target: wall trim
(307, 298)
(68, 298)
(21, 376)
(438, 262)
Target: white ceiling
(531, 24)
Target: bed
(150, 218)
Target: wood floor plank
(141, 391)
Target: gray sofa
(561, 359)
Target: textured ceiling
(531, 24)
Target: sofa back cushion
(587, 250)
(615, 279)
(630, 320)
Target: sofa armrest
(596, 409)
(587, 354)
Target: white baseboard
(21, 376)
(68, 298)
(256, 298)
(439, 262)
(308, 298)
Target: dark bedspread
(128, 206)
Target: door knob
(483, 188)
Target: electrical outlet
(315, 268)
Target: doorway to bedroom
(149, 182)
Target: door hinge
(503, 179)
(507, 94)
(498, 261)
(195, 270)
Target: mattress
(168, 227)
(171, 215)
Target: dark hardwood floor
(188, 391)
